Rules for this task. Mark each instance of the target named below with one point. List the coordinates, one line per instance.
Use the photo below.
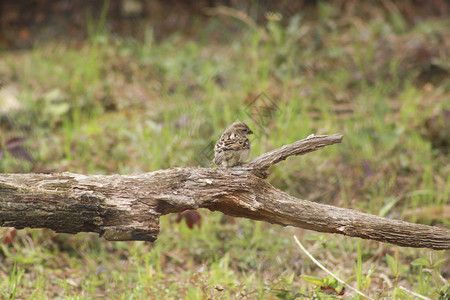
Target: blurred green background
(154, 86)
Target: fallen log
(128, 207)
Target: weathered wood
(259, 165)
(128, 207)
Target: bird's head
(240, 127)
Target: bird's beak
(250, 132)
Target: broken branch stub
(262, 163)
(128, 207)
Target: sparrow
(233, 146)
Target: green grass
(111, 105)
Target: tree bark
(128, 207)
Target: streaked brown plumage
(233, 147)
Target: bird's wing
(232, 142)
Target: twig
(326, 270)
(414, 294)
